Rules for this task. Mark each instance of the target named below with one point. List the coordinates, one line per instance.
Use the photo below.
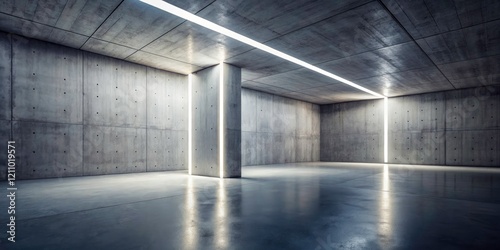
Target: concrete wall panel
(458, 127)
(290, 149)
(5, 76)
(160, 99)
(249, 110)
(316, 147)
(114, 150)
(248, 148)
(233, 153)
(53, 85)
(264, 116)
(278, 148)
(231, 86)
(47, 82)
(166, 150)
(289, 116)
(46, 150)
(115, 92)
(287, 130)
(278, 114)
(352, 131)
(374, 121)
(303, 119)
(473, 109)
(205, 120)
(353, 118)
(373, 144)
(304, 148)
(179, 85)
(316, 122)
(266, 140)
(473, 148)
(167, 100)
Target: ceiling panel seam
(60, 14)
(156, 39)
(418, 45)
(46, 25)
(319, 21)
(110, 14)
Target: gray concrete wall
(276, 129)
(352, 132)
(459, 127)
(75, 113)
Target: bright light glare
(212, 26)
(386, 129)
(190, 124)
(221, 121)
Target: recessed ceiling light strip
(217, 28)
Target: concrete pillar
(216, 122)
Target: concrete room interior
(217, 124)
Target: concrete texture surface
(115, 92)
(232, 120)
(393, 47)
(352, 131)
(458, 127)
(288, 206)
(47, 150)
(5, 76)
(206, 93)
(167, 150)
(113, 150)
(50, 77)
(77, 113)
(276, 129)
(167, 100)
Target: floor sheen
(288, 206)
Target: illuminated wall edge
(386, 129)
(221, 121)
(190, 124)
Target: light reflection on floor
(288, 206)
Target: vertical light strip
(190, 124)
(386, 129)
(221, 121)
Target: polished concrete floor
(290, 206)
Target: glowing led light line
(221, 121)
(386, 129)
(190, 124)
(212, 26)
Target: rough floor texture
(276, 129)
(75, 113)
(289, 206)
(459, 127)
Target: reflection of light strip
(221, 121)
(217, 28)
(385, 180)
(190, 124)
(386, 129)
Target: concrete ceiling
(393, 47)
